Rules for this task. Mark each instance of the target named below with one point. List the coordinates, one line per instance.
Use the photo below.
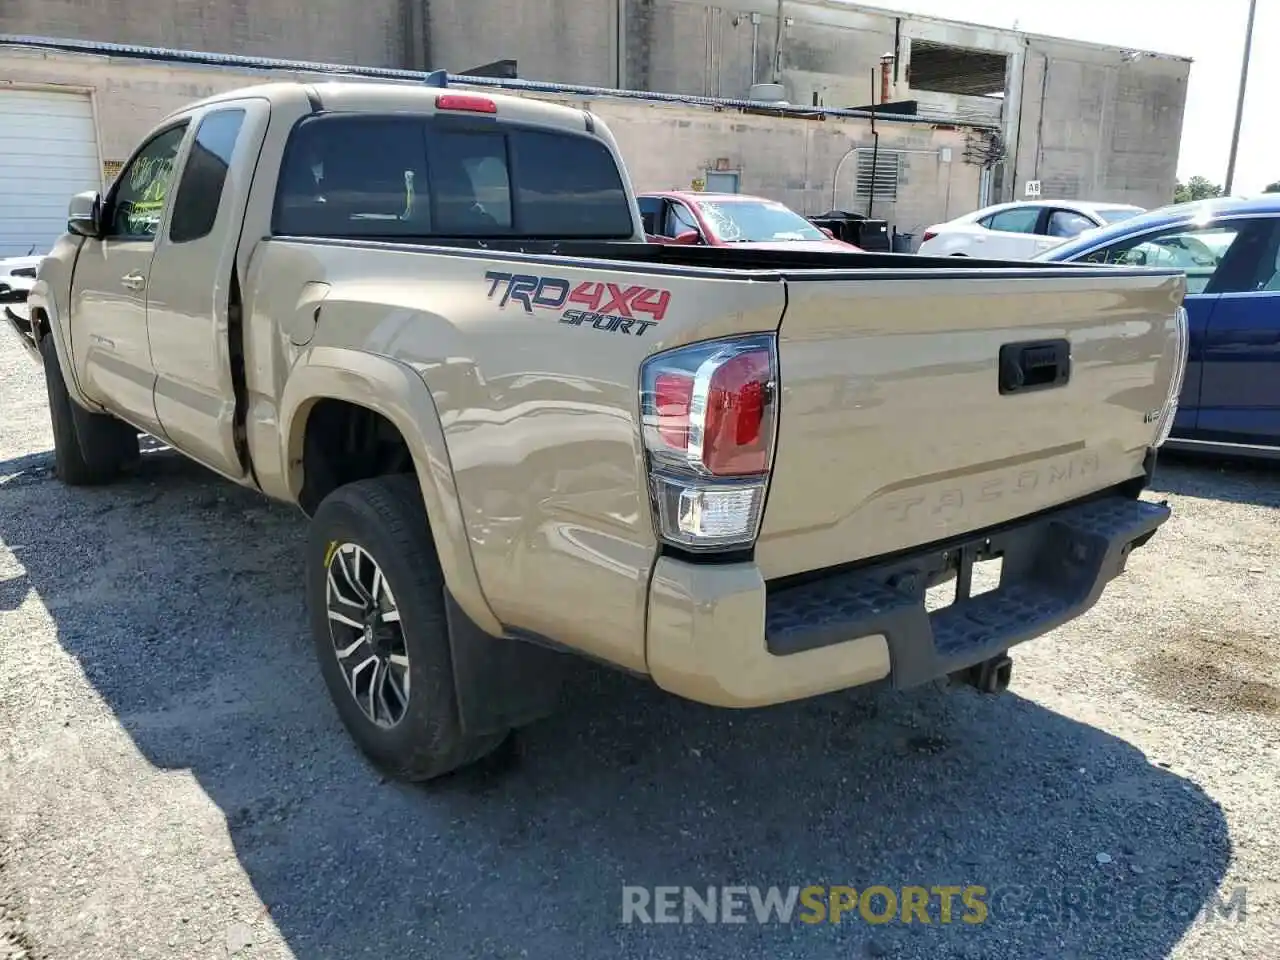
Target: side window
(1067, 223)
(1018, 220)
(195, 208)
(1197, 251)
(1268, 277)
(650, 210)
(679, 220)
(140, 193)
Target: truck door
(108, 321)
(1240, 389)
(188, 306)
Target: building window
(878, 181)
(941, 68)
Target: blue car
(1230, 251)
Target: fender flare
(40, 300)
(396, 391)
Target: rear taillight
(927, 236)
(1181, 349)
(708, 413)
(465, 102)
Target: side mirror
(687, 238)
(827, 231)
(84, 214)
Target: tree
(1197, 188)
(1272, 187)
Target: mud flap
(501, 683)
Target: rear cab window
(422, 177)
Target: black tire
(88, 448)
(385, 518)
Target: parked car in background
(19, 266)
(1020, 230)
(731, 219)
(1230, 252)
(13, 300)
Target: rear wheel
(377, 608)
(88, 448)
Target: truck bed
(751, 258)
(896, 427)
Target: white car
(19, 266)
(1020, 230)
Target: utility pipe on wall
(621, 42)
(755, 47)
(777, 47)
(875, 149)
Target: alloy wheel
(368, 639)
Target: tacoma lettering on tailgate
(1068, 472)
(609, 307)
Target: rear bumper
(720, 635)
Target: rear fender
(397, 392)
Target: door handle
(1034, 365)
(133, 281)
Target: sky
(1211, 34)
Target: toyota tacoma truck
(426, 315)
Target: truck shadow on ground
(1229, 479)
(180, 596)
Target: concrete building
(980, 112)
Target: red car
(731, 219)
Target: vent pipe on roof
(886, 68)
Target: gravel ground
(174, 781)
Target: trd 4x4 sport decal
(610, 307)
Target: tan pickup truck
(426, 315)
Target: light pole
(1244, 83)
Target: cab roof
(378, 96)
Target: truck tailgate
(897, 426)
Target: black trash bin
(856, 229)
(871, 235)
(903, 242)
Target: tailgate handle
(1034, 365)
